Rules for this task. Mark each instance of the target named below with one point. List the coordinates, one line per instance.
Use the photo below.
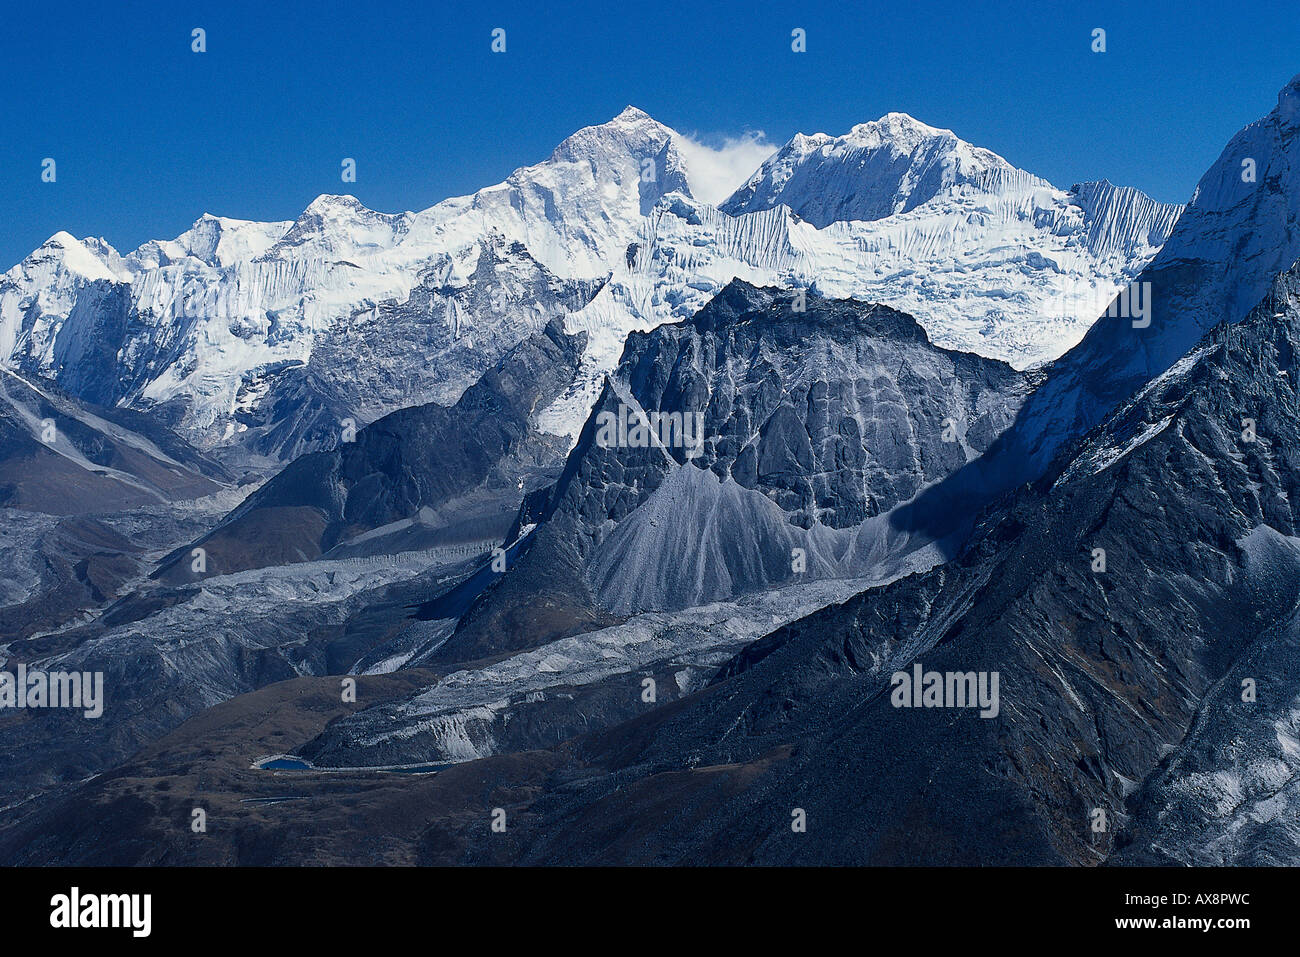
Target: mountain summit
(877, 169)
(258, 338)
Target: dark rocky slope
(815, 423)
(423, 476)
(1107, 678)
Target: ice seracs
(989, 258)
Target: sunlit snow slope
(265, 335)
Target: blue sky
(148, 135)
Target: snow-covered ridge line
(985, 254)
(1007, 267)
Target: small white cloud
(715, 172)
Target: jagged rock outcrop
(813, 423)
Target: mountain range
(256, 338)
(951, 418)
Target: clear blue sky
(148, 135)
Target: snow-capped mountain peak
(1241, 228)
(877, 169)
(88, 259)
(333, 226)
(212, 323)
(221, 241)
(209, 321)
(903, 134)
(632, 131)
(577, 210)
(1238, 232)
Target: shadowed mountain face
(403, 511)
(814, 417)
(418, 477)
(1122, 685)
(63, 456)
(1111, 681)
(836, 411)
(1234, 237)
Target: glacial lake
(290, 763)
